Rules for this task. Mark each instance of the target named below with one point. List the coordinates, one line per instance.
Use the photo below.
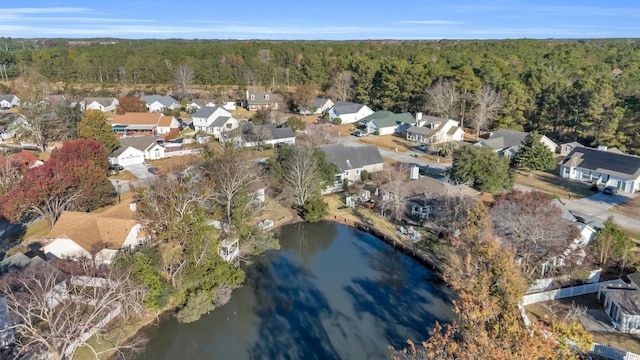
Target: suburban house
(322, 105)
(566, 148)
(387, 122)
(135, 150)
(102, 104)
(157, 103)
(621, 301)
(349, 112)
(214, 120)
(260, 135)
(136, 123)
(93, 236)
(423, 192)
(258, 100)
(435, 130)
(352, 160)
(197, 104)
(602, 167)
(9, 101)
(507, 142)
(14, 164)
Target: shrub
(376, 133)
(364, 175)
(315, 210)
(337, 121)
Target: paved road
(598, 205)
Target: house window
(346, 173)
(357, 171)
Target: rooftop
(604, 161)
(352, 157)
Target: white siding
(130, 156)
(65, 249)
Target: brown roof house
(93, 236)
(143, 123)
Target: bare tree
(258, 135)
(318, 134)
(183, 78)
(488, 105)
(443, 98)
(301, 173)
(531, 225)
(303, 98)
(343, 86)
(55, 313)
(393, 182)
(230, 173)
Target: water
(331, 292)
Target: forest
(585, 90)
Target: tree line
(585, 90)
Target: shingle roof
(503, 138)
(319, 102)
(91, 230)
(141, 118)
(138, 142)
(7, 97)
(352, 157)
(345, 107)
(420, 130)
(429, 185)
(603, 161)
(628, 300)
(205, 111)
(102, 101)
(259, 98)
(387, 118)
(276, 133)
(220, 121)
(165, 100)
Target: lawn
(389, 142)
(630, 208)
(553, 184)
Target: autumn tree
(94, 126)
(75, 177)
(33, 89)
(443, 99)
(487, 106)
(481, 168)
(130, 104)
(51, 320)
(531, 226)
(533, 154)
(303, 97)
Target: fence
(612, 353)
(565, 293)
(181, 152)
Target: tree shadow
(10, 236)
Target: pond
(331, 292)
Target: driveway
(598, 205)
(140, 171)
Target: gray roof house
(352, 160)
(8, 101)
(507, 142)
(434, 130)
(258, 100)
(387, 122)
(349, 112)
(134, 150)
(251, 135)
(157, 103)
(621, 302)
(214, 120)
(602, 167)
(104, 104)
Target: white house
(507, 142)
(352, 160)
(102, 104)
(214, 121)
(621, 302)
(157, 103)
(197, 104)
(387, 123)
(260, 135)
(349, 112)
(602, 167)
(9, 101)
(135, 150)
(318, 106)
(435, 130)
(93, 236)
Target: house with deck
(434, 130)
(137, 124)
(349, 112)
(387, 122)
(352, 161)
(94, 236)
(424, 192)
(603, 168)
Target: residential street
(597, 206)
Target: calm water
(331, 292)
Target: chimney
(418, 118)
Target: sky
(320, 19)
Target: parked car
(610, 190)
(116, 167)
(154, 170)
(422, 147)
(359, 134)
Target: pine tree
(534, 155)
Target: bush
(364, 175)
(594, 188)
(315, 210)
(376, 133)
(337, 121)
(345, 185)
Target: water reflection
(331, 292)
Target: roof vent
(348, 163)
(602, 147)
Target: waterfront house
(351, 161)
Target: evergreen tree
(482, 169)
(533, 154)
(94, 126)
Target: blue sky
(324, 19)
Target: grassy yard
(631, 208)
(555, 185)
(389, 142)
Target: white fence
(565, 293)
(181, 152)
(612, 353)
